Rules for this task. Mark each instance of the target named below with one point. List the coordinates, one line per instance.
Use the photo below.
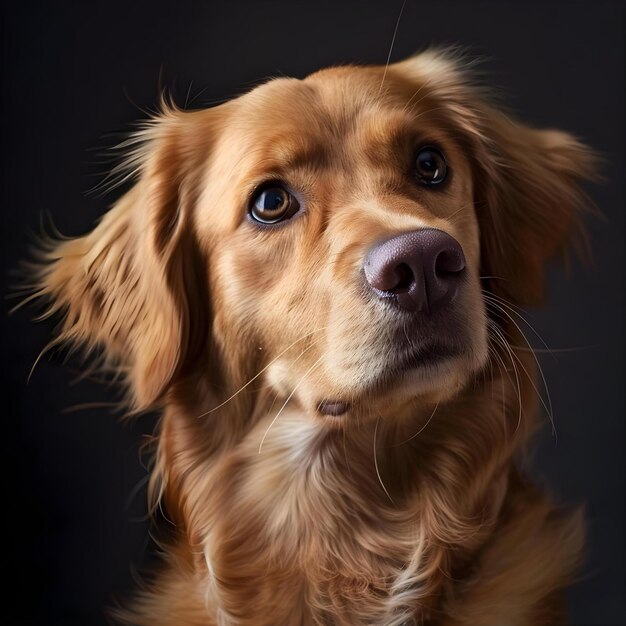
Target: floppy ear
(528, 193)
(122, 287)
(529, 201)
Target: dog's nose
(419, 270)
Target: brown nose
(419, 270)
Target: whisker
(501, 363)
(219, 406)
(512, 308)
(393, 41)
(408, 341)
(218, 100)
(187, 96)
(554, 350)
(451, 217)
(421, 430)
(345, 453)
(506, 346)
(380, 480)
(493, 353)
(518, 312)
(282, 408)
(426, 83)
(548, 407)
(548, 410)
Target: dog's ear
(527, 182)
(122, 287)
(529, 202)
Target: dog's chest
(300, 538)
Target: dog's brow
(316, 155)
(282, 157)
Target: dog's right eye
(273, 204)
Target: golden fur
(409, 508)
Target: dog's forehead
(334, 93)
(319, 113)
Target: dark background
(72, 74)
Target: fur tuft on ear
(122, 286)
(528, 183)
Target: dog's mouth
(419, 363)
(423, 358)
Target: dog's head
(334, 233)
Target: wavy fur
(410, 508)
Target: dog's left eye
(273, 204)
(430, 166)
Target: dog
(317, 283)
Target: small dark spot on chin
(332, 407)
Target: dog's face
(336, 233)
(346, 243)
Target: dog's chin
(432, 374)
(390, 384)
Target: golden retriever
(317, 282)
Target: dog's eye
(430, 166)
(272, 205)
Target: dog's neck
(392, 509)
